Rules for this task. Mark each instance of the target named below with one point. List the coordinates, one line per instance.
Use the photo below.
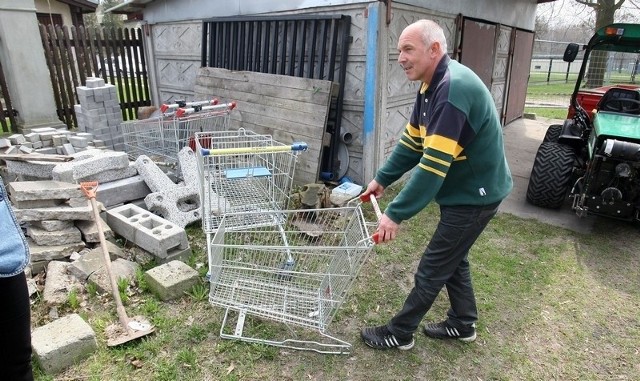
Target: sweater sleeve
(404, 157)
(441, 145)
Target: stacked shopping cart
(162, 137)
(265, 260)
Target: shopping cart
(241, 171)
(162, 137)
(296, 270)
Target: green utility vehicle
(594, 156)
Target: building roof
(129, 6)
(87, 6)
(136, 6)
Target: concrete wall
(520, 13)
(44, 6)
(174, 49)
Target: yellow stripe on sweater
(431, 169)
(442, 144)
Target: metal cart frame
(241, 171)
(161, 138)
(297, 270)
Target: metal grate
(305, 46)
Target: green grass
(548, 112)
(553, 304)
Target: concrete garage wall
(175, 37)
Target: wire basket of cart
(297, 270)
(241, 171)
(163, 136)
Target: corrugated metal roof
(85, 5)
(129, 6)
(137, 6)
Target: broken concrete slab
(62, 213)
(90, 233)
(40, 170)
(121, 268)
(122, 191)
(54, 238)
(52, 225)
(93, 260)
(59, 283)
(89, 163)
(43, 190)
(62, 343)
(42, 255)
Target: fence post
(549, 72)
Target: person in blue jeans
(15, 313)
(453, 144)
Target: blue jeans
(445, 262)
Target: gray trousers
(445, 262)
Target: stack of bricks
(48, 140)
(59, 219)
(99, 113)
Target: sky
(570, 12)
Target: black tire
(553, 133)
(550, 175)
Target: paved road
(522, 138)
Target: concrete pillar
(25, 67)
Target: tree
(107, 20)
(605, 12)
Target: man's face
(417, 59)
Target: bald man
(453, 143)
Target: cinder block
(93, 82)
(171, 280)
(67, 149)
(63, 342)
(78, 141)
(152, 233)
(25, 149)
(16, 139)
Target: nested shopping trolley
(297, 270)
(242, 171)
(162, 137)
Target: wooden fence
(113, 54)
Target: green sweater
(454, 141)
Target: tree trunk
(605, 10)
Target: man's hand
(387, 229)
(374, 189)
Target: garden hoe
(129, 329)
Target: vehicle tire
(553, 133)
(550, 175)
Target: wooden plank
(287, 108)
